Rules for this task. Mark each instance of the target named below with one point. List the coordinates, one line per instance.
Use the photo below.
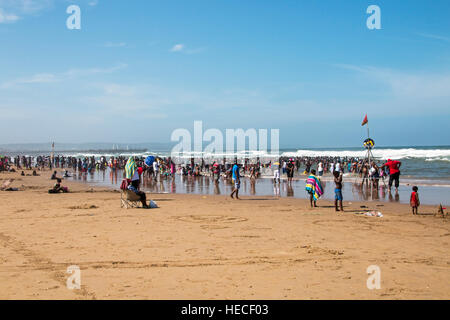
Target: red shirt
(414, 200)
(393, 166)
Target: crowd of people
(314, 168)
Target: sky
(137, 70)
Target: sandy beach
(211, 247)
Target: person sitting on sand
(54, 177)
(314, 188)
(57, 188)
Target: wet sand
(211, 247)
(352, 190)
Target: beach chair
(128, 199)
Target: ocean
(427, 167)
(430, 164)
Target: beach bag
(153, 204)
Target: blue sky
(139, 69)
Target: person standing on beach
(394, 173)
(338, 191)
(414, 200)
(236, 180)
(155, 170)
(320, 169)
(314, 188)
(290, 170)
(276, 172)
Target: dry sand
(211, 247)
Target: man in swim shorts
(338, 190)
(236, 180)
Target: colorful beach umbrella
(130, 168)
(149, 160)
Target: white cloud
(51, 78)
(91, 71)
(7, 17)
(407, 84)
(177, 48)
(34, 79)
(434, 36)
(195, 51)
(183, 48)
(93, 3)
(115, 44)
(17, 8)
(13, 10)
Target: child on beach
(314, 188)
(414, 200)
(338, 190)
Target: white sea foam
(383, 154)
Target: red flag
(365, 121)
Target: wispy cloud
(7, 17)
(407, 85)
(42, 78)
(34, 79)
(183, 48)
(93, 3)
(196, 50)
(177, 48)
(12, 10)
(434, 36)
(128, 101)
(115, 44)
